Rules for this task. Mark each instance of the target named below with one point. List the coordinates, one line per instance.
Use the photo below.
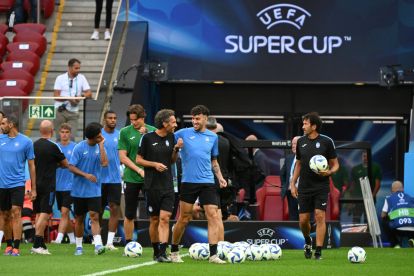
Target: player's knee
(164, 219)
(16, 212)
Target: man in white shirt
(70, 84)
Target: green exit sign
(42, 112)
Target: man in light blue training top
(199, 161)
(87, 159)
(111, 176)
(15, 150)
(64, 180)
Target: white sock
(59, 238)
(71, 237)
(111, 236)
(97, 240)
(79, 241)
(1, 236)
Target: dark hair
(109, 112)
(66, 126)
(211, 123)
(92, 130)
(2, 113)
(12, 119)
(314, 119)
(163, 116)
(200, 109)
(72, 61)
(136, 109)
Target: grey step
(59, 61)
(85, 68)
(86, 49)
(82, 57)
(77, 42)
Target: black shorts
(84, 205)
(131, 194)
(64, 199)
(44, 202)
(11, 197)
(207, 193)
(157, 200)
(111, 193)
(308, 202)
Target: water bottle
(11, 20)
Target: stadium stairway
(73, 41)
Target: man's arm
(216, 169)
(156, 165)
(127, 162)
(56, 93)
(32, 172)
(64, 163)
(333, 167)
(376, 187)
(104, 158)
(296, 173)
(77, 171)
(177, 148)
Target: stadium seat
(3, 42)
(24, 65)
(23, 46)
(271, 204)
(18, 74)
(25, 56)
(21, 84)
(241, 194)
(16, 92)
(28, 36)
(47, 7)
(3, 28)
(6, 5)
(332, 209)
(33, 27)
(273, 181)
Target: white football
(275, 251)
(223, 248)
(133, 249)
(256, 253)
(357, 255)
(266, 251)
(199, 251)
(236, 255)
(318, 163)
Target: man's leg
(65, 226)
(113, 196)
(96, 231)
(79, 226)
(320, 231)
(220, 226)
(16, 218)
(113, 222)
(153, 232)
(163, 231)
(39, 245)
(131, 205)
(305, 227)
(8, 232)
(186, 214)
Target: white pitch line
(130, 267)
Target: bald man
(48, 156)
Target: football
(275, 251)
(266, 252)
(133, 249)
(236, 255)
(357, 255)
(256, 253)
(318, 163)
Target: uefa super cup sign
(279, 14)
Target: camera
(62, 108)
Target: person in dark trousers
(313, 189)
(156, 153)
(48, 157)
(98, 11)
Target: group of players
(89, 176)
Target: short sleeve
(29, 151)
(58, 84)
(122, 141)
(74, 159)
(85, 84)
(58, 154)
(142, 149)
(215, 150)
(331, 154)
(385, 207)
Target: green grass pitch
(380, 262)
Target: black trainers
(308, 250)
(163, 259)
(318, 255)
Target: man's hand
(91, 177)
(223, 183)
(325, 173)
(140, 172)
(180, 143)
(160, 167)
(32, 195)
(102, 142)
(293, 190)
(143, 130)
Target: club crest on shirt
(96, 152)
(318, 145)
(167, 143)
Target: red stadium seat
(332, 209)
(18, 74)
(6, 5)
(33, 27)
(16, 92)
(3, 42)
(24, 65)
(23, 46)
(28, 36)
(25, 56)
(273, 181)
(3, 28)
(21, 84)
(47, 7)
(271, 204)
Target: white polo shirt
(79, 85)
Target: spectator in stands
(397, 215)
(70, 84)
(259, 157)
(21, 16)
(15, 150)
(355, 191)
(98, 11)
(48, 157)
(286, 174)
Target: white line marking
(130, 267)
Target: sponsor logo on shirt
(318, 145)
(132, 138)
(2, 144)
(304, 145)
(154, 144)
(192, 137)
(85, 152)
(323, 204)
(207, 139)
